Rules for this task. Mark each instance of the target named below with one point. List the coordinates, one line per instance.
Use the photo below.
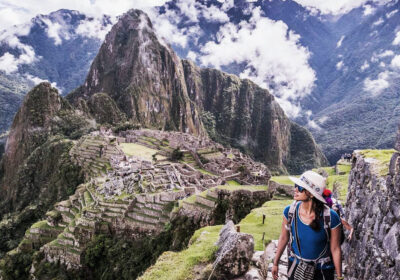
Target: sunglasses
(300, 188)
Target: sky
(272, 53)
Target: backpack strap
(327, 221)
(291, 214)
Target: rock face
(234, 254)
(143, 76)
(36, 169)
(151, 86)
(240, 113)
(374, 252)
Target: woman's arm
(348, 227)
(282, 242)
(336, 250)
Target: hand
(351, 234)
(274, 272)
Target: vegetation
(253, 225)
(382, 157)
(132, 149)
(283, 180)
(179, 265)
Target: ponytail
(318, 208)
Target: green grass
(344, 168)
(329, 169)
(252, 223)
(382, 156)
(41, 224)
(132, 149)
(179, 265)
(342, 180)
(206, 172)
(233, 183)
(283, 180)
(243, 187)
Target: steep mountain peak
(142, 75)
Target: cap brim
(297, 181)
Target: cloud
(339, 65)
(94, 28)
(339, 43)
(37, 80)
(364, 66)
(392, 13)
(338, 7)
(396, 62)
(376, 87)
(386, 53)
(18, 12)
(273, 55)
(8, 62)
(53, 30)
(396, 40)
(378, 22)
(368, 10)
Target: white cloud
(375, 87)
(8, 62)
(336, 7)
(339, 65)
(382, 64)
(37, 81)
(339, 43)
(378, 22)
(192, 56)
(93, 28)
(364, 66)
(368, 10)
(17, 12)
(273, 56)
(312, 124)
(396, 62)
(53, 30)
(214, 14)
(396, 40)
(386, 53)
(392, 13)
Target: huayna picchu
(149, 149)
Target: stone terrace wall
(373, 208)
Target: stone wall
(373, 208)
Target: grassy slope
(180, 265)
(383, 159)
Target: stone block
(391, 242)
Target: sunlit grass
(133, 149)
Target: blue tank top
(312, 242)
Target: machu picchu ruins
(134, 187)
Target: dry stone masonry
(135, 197)
(373, 208)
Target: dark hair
(318, 208)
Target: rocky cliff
(143, 76)
(36, 169)
(151, 86)
(239, 113)
(374, 252)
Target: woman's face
(301, 195)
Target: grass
(243, 187)
(345, 168)
(342, 180)
(206, 172)
(132, 149)
(179, 265)
(252, 223)
(329, 169)
(41, 224)
(233, 183)
(382, 156)
(283, 180)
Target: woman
(313, 232)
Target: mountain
(151, 86)
(58, 47)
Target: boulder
(235, 252)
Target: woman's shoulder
(335, 219)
